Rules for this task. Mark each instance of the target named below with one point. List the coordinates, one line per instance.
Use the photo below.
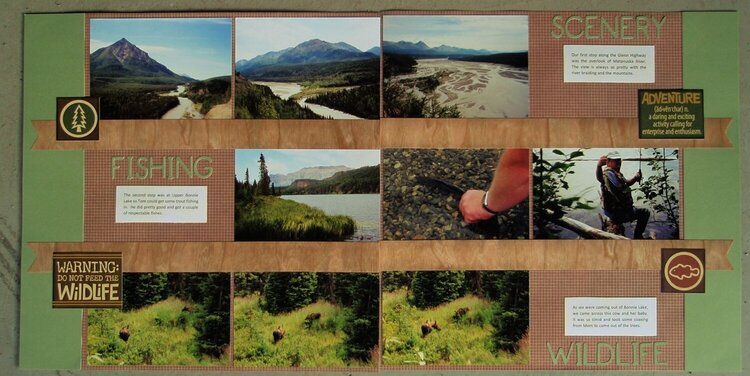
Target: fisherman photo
(617, 200)
(636, 193)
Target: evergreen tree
(142, 289)
(327, 283)
(510, 320)
(474, 283)
(393, 281)
(248, 283)
(285, 292)
(265, 179)
(362, 328)
(430, 289)
(212, 291)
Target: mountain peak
(422, 44)
(124, 58)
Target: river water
(184, 110)
(363, 208)
(285, 90)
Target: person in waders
(617, 200)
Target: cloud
(682, 271)
(95, 44)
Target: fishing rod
(639, 159)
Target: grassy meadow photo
(317, 195)
(456, 66)
(422, 189)
(169, 319)
(308, 320)
(307, 68)
(441, 318)
(170, 68)
(571, 202)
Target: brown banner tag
(683, 270)
(86, 280)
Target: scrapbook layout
(403, 190)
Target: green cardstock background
(53, 189)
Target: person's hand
(602, 161)
(638, 176)
(471, 207)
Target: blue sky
(496, 33)
(284, 161)
(256, 36)
(198, 47)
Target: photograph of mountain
(148, 68)
(307, 68)
(317, 195)
(455, 66)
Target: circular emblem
(683, 271)
(78, 118)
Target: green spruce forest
(483, 318)
(327, 319)
(170, 319)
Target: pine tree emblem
(79, 120)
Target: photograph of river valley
(455, 66)
(147, 68)
(307, 68)
(315, 195)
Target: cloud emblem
(682, 271)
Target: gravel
(412, 211)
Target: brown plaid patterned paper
(100, 188)
(550, 96)
(548, 290)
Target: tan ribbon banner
(218, 134)
(374, 134)
(536, 133)
(389, 255)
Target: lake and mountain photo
(606, 193)
(306, 320)
(455, 66)
(316, 195)
(307, 68)
(148, 68)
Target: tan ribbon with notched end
(389, 255)
(374, 134)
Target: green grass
(160, 334)
(466, 342)
(273, 218)
(320, 345)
